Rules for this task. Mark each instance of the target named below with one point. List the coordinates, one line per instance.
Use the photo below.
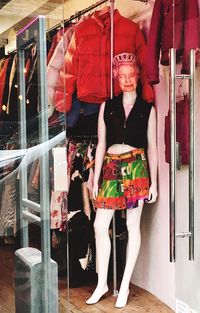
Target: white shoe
(122, 299)
(97, 294)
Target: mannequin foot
(97, 294)
(122, 299)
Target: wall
(153, 270)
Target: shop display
(110, 133)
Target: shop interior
(160, 283)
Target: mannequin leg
(132, 251)
(103, 248)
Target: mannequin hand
(95, 191)
(153, 193)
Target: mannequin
(134, 190)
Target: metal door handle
(172, 107)
(173, 156)
(192, 156)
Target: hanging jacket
(55, 40)
(12, 92)
(56, 62)
(6, 91)
(160, 39)
(87, 61)
(182, 131)
(3, 80)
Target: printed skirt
(125, 182)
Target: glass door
(33, 180)
(184, 171)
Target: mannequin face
(128, 77)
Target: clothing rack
(78, 14)
(82, 12)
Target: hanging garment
(1, 64)
(160, 39)
(36, 176)
(11, 84)
(6, 91)
(30, 58)
(34, 168)
(8, 204)
(80, 235)
(85, 126)
(182, 131)
(77, 107)
(89, 162)
(12, 103)
(58, 206)
(32, 90)
(75, 196)
(55, 40)
(59, 251)
(87, 61)
(80, 168)
(56, 62)
(58, 210)
(71, 153)
(3, 75)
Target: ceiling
(3, 2)
(15, 14)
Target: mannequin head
(128, 77)
(126, 71)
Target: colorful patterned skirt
(125, 183)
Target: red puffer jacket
(87, 61)
(186, 34)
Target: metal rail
(173, 163)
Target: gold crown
(124, 58)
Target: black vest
(132, 131)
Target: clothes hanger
(104, 10)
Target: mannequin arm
(152, 155)
(100, 150)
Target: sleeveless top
(131, 131)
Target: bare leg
(132, 251)
(103, 248)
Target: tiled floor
(139, 301)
